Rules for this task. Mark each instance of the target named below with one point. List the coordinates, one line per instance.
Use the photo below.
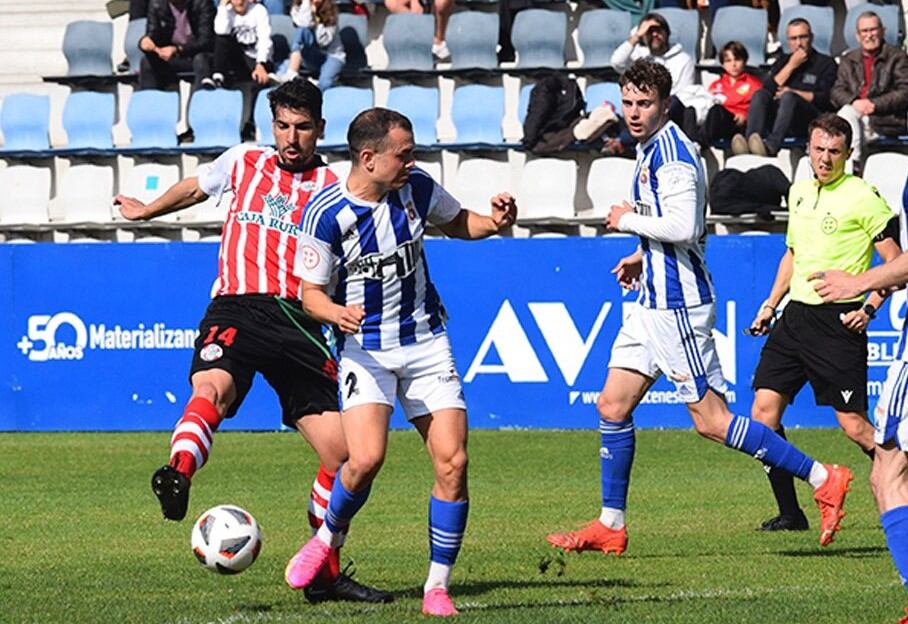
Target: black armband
(890, 231)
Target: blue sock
(447, 522)
(759, 441)
(343, 505)
(895, 525)
(616, 455)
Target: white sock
(438, 576)
(333, 540)
(818, 475)
(612, 518)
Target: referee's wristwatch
(869, 310)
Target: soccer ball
(226, 539)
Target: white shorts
(421, 375)
(678, 343)
(891, 414)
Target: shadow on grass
(858, 552)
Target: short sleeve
(214, 177)
(442, 207)
(314, 260)
(875, 214)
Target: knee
(610, 409)
(858, 431)
(208, 391)
(789, 100)
(708, 429)
(451, 469)
(765, 414)
(761, 98)
(200, 63)
(361, 469)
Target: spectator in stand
(735, 89)
(441, 9)
(242, 52)
(178, 38)
(871, 89)
(794, 94)
(316, 42)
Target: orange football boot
(830, 498)
(594, 536)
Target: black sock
(783, 489)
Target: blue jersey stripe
(648, 282)
(700, 274)
(674, 295)
(902, 338)
(432, 300)
(896, 401)
(317, 206)
(402, 235)
(372, 295)
(681, 151)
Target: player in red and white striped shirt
(255, 322)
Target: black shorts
(249, 334)
(809, 343)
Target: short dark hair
(799, 20)
(648, 75)
(659, 19)
(831, 124)
(867, 14)
(298, 94)
(737, 50)
(369, 130)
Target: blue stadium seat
(538, 36)
(24, 120)
(88, 118)
(889, 14)
(152, 118)
(821, 24)
(599, 33)
(601, 92)
(87, 46)
(744, 24)
(340, 106)
(282, 33)
(135, 30)
(215, 117)
(353, 31)
(523, 102)
(407, 38)
(477, 111)
(420, 105)
(275, 7)
(262, 115)
(472, 37)
(685, 25)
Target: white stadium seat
(886, 171)
(547, 189)
(609, 183)
(478, 180)
(147, 181)
(25, 195)
(85, 194)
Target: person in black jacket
(795, 92)
(179, 37)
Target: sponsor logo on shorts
(686, 391)
(846, 395)
(310, 257)
(449, 377)
(212, 352)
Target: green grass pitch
(83, 540)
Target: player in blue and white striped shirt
(361, 259)
(670, 329)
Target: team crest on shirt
(310, 256)
(411, 210)
(211, 352)
(644, 174)
(278, 205)
(829, 225)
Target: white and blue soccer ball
(226, 539)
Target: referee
(836, 220)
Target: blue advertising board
(99, 337)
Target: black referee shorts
(249, 334)
(809, 343)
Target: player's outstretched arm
(318, 305)
(181, 195)
(469, 225)
(836, 285)
(767, 312)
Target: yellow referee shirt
(832, 227)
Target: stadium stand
(477, 111)
(86, 46)
(84, 195)
(821, 21)
(26, 192)
(215, 118)
(24, 120)
(539, 38)
(600, 92)
(478, 179)
(685, 25)
(353, 31)
(547, 188)
(879, 170)
(744, 24)
(341, 105)
(472, 37)
(599, 33)
(407, 38)
(88, 119)
(262, 116)
(603, 192)
(420, 105)
(152, 118)
(135, 30)
(889, 14)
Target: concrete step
(29, 38)
(11, 19)
(36, 62)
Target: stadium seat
(608, 183)
(262, 116)
(282, 33)
(87, 46)
(477, 111)
(85, 194)
(886, 171)
(744, 24)
(420, 105)
(472, 37)
(538, 36)
(407, 38)
(889, 14)
(353, 31)
(601, 92)
(152, 118)
(685, 25)
(478, 179)
(599, 33)
(88, 118)
(432, 167)
(523, 102)
(147, 181)
(821, 24)
(215, 117)
(135, 30)
(547, 189)
(275, 7)
(24, 120)
(341, 105)
(26, 191)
